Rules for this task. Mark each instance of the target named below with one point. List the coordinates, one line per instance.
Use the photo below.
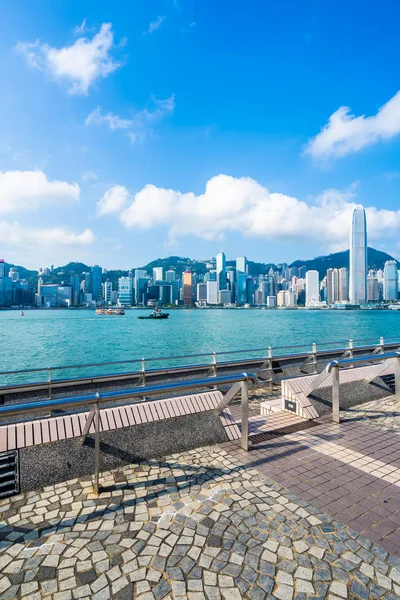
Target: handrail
(178, 357)
(93, 400)
(370, 358)
(88, 399)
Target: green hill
(376, 260)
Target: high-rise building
(170, 275)
(390, 281)
(241, 264)
(95, 282)
(187, 288)
(241, 297)
(108, 292)
(358, 257)
(125, 291)
(76, 289)
(13, 274)
(343, 284)
(212, 292)
(372, 287)
(201, 295)
(221, 271)
(312, 288)
(158, 273)
(140, 286)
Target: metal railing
(334, 366)
(238, 382)
(264, 360)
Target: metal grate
(9, 473)
(388, 380)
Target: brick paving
(196, 526)
(350, 471)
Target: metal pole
(271, 370)
(351, 347)
(397, 378)
(49, 383)
(244, 443)
(214, 354)
(382, 344)
(97, 447)
(314, 351)
(335, 394)
(143, 372)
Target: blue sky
(134, 130)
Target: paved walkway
(198, 526)
(350, 471)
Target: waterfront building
(52, 295)
(281, 298)
(201, 295)
(271, 301)
(76, 289)
(140, 286)
(302, 272)
(390, 281)
(372, 287)
(188, 288)
(221, 271)
(108, 292)
(158, 273)
(212, 292)
(225, 296)
(95, 282)
(241, 296)
(250, 286)
(5, 286)
(343, 284)
(358, 257)
(312, 288)
(125, 291)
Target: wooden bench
(34, 432)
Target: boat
(110, 311)
(156, 314)
(21, 314)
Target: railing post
(382, 344)
(314, 360)
(143, 372)
(351, 348)
(244, 442)
(214, 367)
(49, 369)
(335, 394)
(97, 447)
(270, 369)
(397, 378)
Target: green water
(73, 337)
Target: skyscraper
(158, 273)
(312, 288)
(187, 288)
(390, 281)
(221, 271)
(358, 257)
(95, 280)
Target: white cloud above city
(77, 66)
(346, 133)
(242, 205)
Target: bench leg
(245, 416)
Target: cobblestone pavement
(198, 526)
(384, 413)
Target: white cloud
(89, 175)
(112, 121)
(29, 190)
(114, 200)
(78, 65)
(154, 25)
(81, 29)
(243, 205)
(141, 122)
(15, 234)
(346, 133)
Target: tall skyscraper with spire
(358, 257)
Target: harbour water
(44, 338)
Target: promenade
(308, 514)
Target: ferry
(156, 314)
(110, 311)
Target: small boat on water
(21, 314)
(156, 314)
(110, 311)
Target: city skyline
(139, 129)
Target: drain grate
(9, 473)
(388, 380)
